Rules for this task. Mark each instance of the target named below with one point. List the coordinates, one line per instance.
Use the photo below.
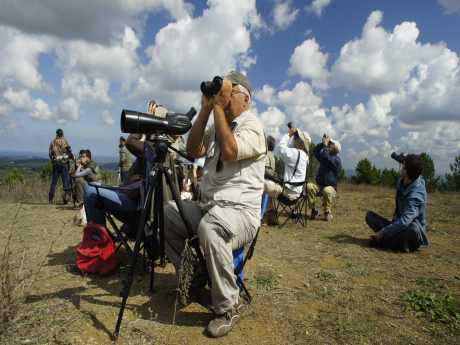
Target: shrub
(46, 171)
(13, 178)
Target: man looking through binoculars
(226, 217)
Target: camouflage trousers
(327, 194)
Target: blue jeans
(62, 171)
(124, 174)
(395, 236)
(112, 201)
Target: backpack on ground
(96, 252)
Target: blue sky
(380, 76)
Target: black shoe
(314, 213)
(373, 243)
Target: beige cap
(240, 79)
(337, 144)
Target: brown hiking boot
(223, 324)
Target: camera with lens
(211, 88)
(173, 123)
(400, 158)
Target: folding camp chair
(121, 238)
(295, 209)
(239, 259)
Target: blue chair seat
(238, 254)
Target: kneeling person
(227, 215)
(407, 230)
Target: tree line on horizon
(367, 173)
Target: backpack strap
(296, 165)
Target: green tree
(452, 180)
(428, 173)
(389, 177)
(366, 172)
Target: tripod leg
(180, 207)
(127, 284)
(160, 209)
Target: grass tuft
(431, 300)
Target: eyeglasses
(220, 164)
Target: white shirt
(288, 155)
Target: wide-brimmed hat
(305, 138)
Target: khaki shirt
(270, 163)
(240, 183)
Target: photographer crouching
(407, 230)
(227, 215)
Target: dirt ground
(320, 284)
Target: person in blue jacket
(407, 230)
(330, 165)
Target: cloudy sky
(377, 75)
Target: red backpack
(96, 252)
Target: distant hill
(34, 164)
(27, 164)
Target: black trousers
(404, 238)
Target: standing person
(227, 215)
(58, 153)
(87, 171)
(125, 161)
(407, 230)
(330, 165)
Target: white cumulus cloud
(68, 109)
(194, 49)
(309, 62)
(88, 20)
(450, 6)
(317, 6)
(83, 88)
(300, 105)
(107, 118)
(284, 15)
(19, 58)
(274, 121)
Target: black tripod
(155, 152)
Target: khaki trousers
(220, 231)
(328, 195)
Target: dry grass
(33, 189)
(316, 285)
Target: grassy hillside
(320, 284)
